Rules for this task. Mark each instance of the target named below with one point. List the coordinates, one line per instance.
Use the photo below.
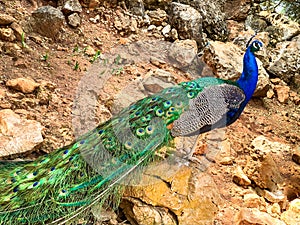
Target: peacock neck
(249, 77)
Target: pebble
(240, 177)
(25, 85)
(296, 156)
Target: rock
(188, 197)
(45, 17)
(154, 4)
(7, 34)
(262, 169)
(240, 178)
(90, 51)
(254, 201)
(136, 7)
(71, 6)
(213, 17)
(187, 21)
(6, 19)
(253, 216)
(155, 84)
(234, 29)
(282, 93)
(166, 30)
(157, 17)
(274, 197)
(183, 52)
(74, 20)
(282, 27)
(256, 23)
(296, 156)
(124, 23)
(18, 30)
(18, 135)
(292, 215)
(285, 61)
(237, 9)
(225, 59)
(263, 84)
(25, 85)
(138, 212)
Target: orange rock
(25, 85)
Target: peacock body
(64, 183)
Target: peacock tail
(65, 183)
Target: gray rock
(214, 19)
(285, 62)
(70, 6)
(187, 21)
(74, 20)
(47, 17)
(136, 7)
(256, 23)
(282, 26)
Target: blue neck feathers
(248, 80)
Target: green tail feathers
(63, 184)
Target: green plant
(45, 57)
(76, 66)
(96, 56)
(24, 45)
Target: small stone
(270, 93)
(157, 17)
(7, 34)
(296, 156)
(155, 85)
(18, 31)
(2, 93)
(96, 19)
(282, 93)
(6, 19)
(166, 30)
(274, 209)
(72, 6)
(25, 85)
(240, 177)
(90, 51)
(253, 201)
(74, 20)
(227, 160)
(292, 215)
(151, 27)
(274, 197)
(253, 216)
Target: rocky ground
(253, 172)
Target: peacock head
(255, 46)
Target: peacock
(66, 183)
